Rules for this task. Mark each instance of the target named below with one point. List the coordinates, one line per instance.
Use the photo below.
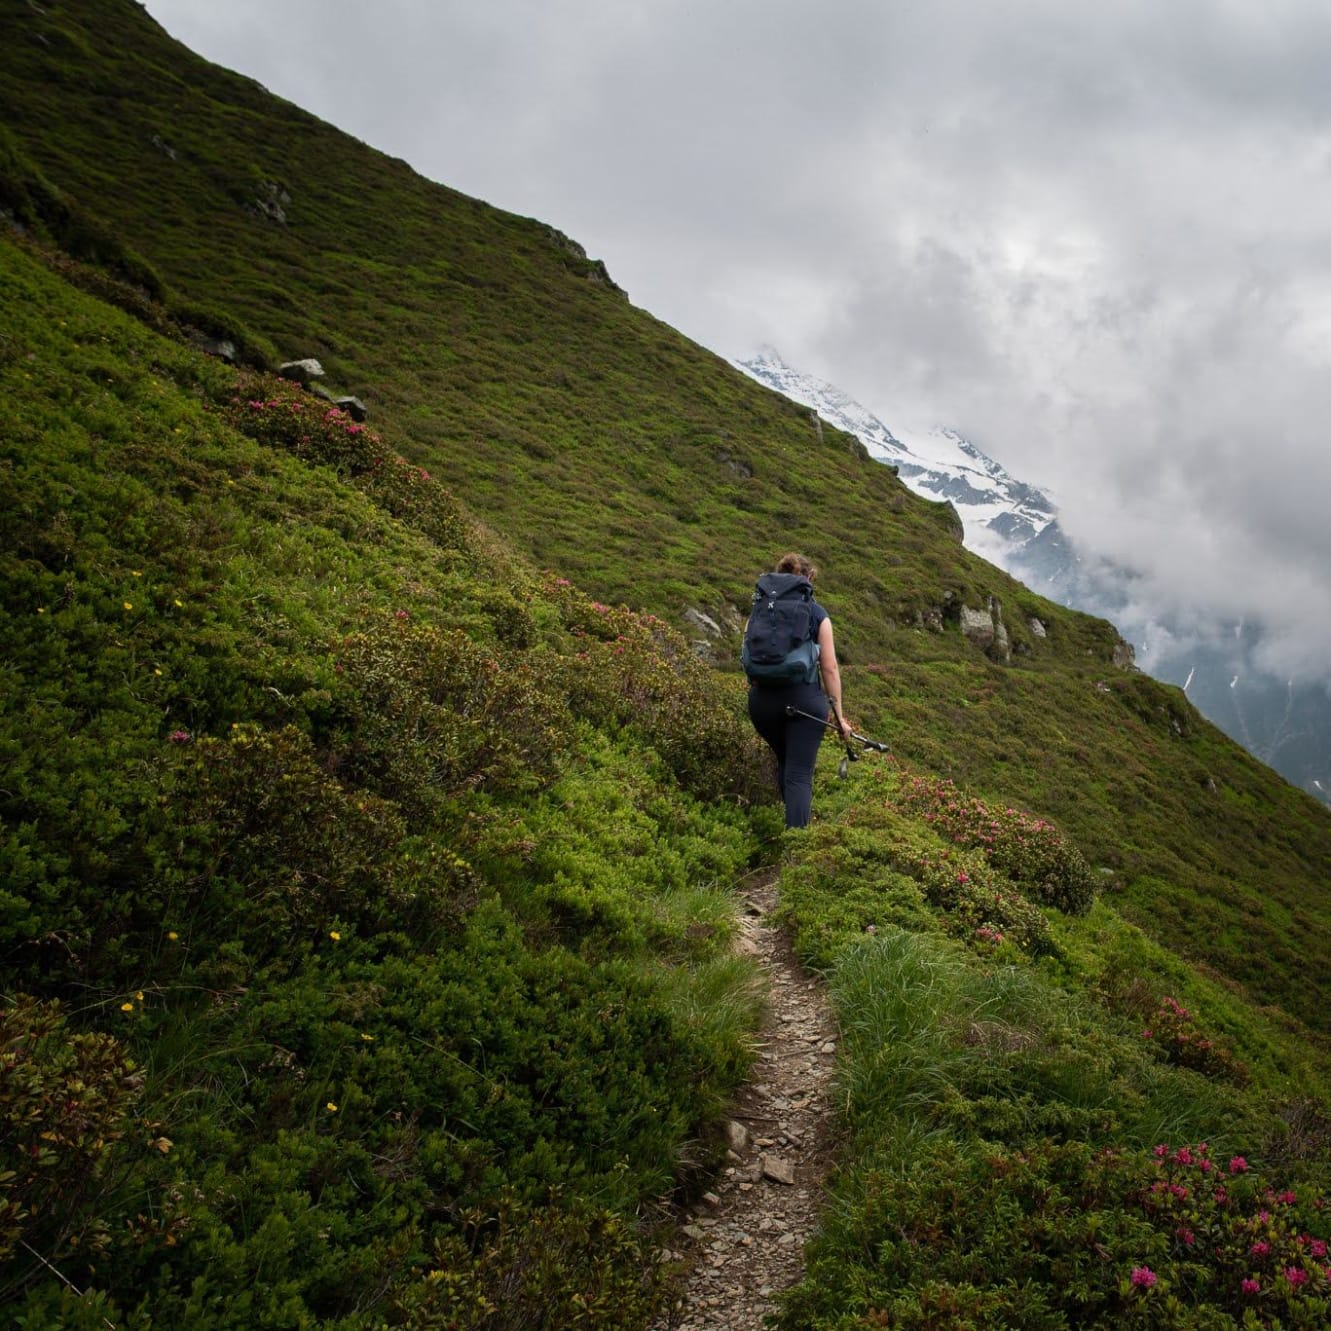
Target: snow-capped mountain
(1001, 516)
(1285, 723)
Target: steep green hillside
(364, 882)
(358, 881)
(590, 433)
(1051, 1121)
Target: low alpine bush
(66, 1099)
(1028, 850)
(1048, 1236)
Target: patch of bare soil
(743, 1242)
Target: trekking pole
(876, 744)
(843, 768)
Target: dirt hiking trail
(743, 1242)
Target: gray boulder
(301, 371)
(353, 406)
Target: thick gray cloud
(1094, 238)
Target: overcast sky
(1093, 237)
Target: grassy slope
(590, 432)
(1050, 1120)
(395, 921)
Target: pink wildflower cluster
(615, 625)
(1256, 1237)
(336, 416)
(285, 418)
(1027, 849)
(1176, 1033)
(974, 909)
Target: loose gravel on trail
(743, 1241)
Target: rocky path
(743, 1242)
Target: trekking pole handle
(841, 726)
(876, 744)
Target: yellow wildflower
(127, 1007)
(172, 935)
(129, 605)
(334, 935)
(331, 1107)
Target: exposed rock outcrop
(271, 203)
(712, 633)
(353, 406)
(303, 372)
(221, 347)
(593, 269)
(985, 628)
(705, 624)
(737, 465)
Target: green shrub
(434, 716)
(978, 903)
(213, 321)
(564, 1265)
(259, 846)
(633, 671)
(1174, 1030)
(65, 1102)
(1028, 850)
(1050, 1236)
(282, 414)
(874, 865)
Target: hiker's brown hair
(797, 563)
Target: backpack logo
(779, 646)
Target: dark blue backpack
(779, 646)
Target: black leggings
(794, 740)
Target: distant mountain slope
(608, 447)
(1284, 722)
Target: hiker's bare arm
(831, 674)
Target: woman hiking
(788, 645)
